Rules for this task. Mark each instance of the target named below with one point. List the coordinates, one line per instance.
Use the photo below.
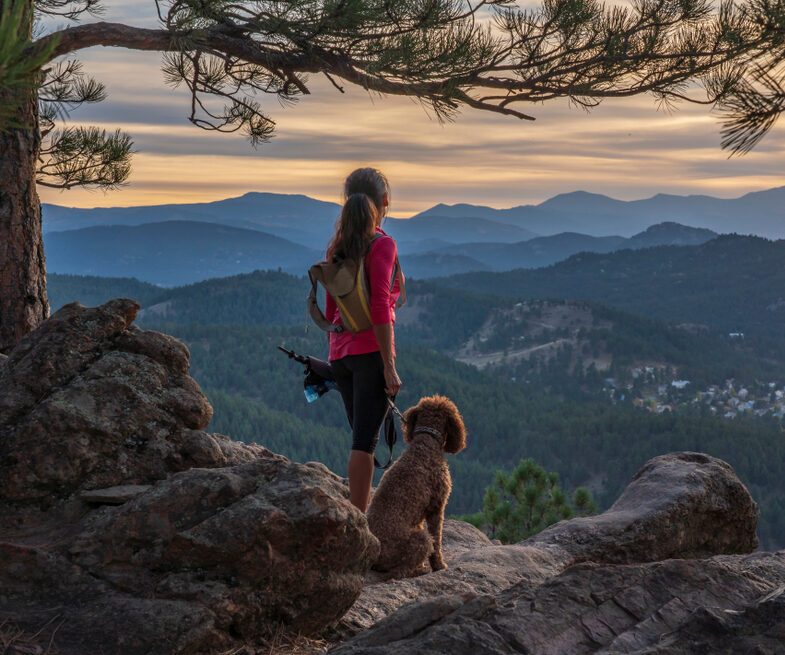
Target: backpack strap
(316, 313)
(398, 273)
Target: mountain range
(309, 222)
(294, 217)
(543, 251)
(183, 243)
(178, 252)
(761, 213)
(172, 253)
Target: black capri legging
(361, 381)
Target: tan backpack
(345, 281)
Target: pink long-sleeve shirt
(379, 264)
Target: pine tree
(525, 502)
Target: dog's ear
(410, 421)
(455, 437)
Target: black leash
(395, 409)
(390, 432)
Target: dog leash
(395, 409)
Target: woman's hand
(392, 383)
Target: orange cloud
(626, 149)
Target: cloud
(624, 148)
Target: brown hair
(372, 183)
(354, 228)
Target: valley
(587, 352)
(550, 399)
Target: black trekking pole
(319, 378)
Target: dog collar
(432, 431)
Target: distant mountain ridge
(178, 252)
(760, 212)
(310, 222)
(296, 218)
(172, 253)
(544, 251)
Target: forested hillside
(233, 325)
(257, 396)
(564, 344)
(733, 283)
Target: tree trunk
(23, 301)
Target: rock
(720, 604)
(486, 570)
(264, 542)
(114, 495)
(757, 628)
(204, 561)
(216, 545)
(459, 537)
(88, 401)
(678, 505)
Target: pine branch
(78, 156)
(439, 52)
(70, 9)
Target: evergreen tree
(526, 502)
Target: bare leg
(360, 477)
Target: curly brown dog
(416, 489)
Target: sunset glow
(626, 149)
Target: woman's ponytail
(355, 228)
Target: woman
(364, 363)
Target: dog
(407, 509)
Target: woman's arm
(381, 267)
(384, 337)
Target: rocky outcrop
(127, 528)
(724, 604)
(89, 401)
(677, 505)
(205, 543)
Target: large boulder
(678, 505)
(89, 401)
(206, 543)
(217, 556)
(724, 604)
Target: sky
(627, 149)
